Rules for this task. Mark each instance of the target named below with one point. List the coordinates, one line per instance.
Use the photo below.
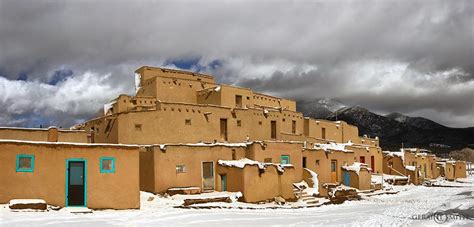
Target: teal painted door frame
(224, 183)
(67, 180)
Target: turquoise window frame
(287, 157)
(113, 165)
(85, 180)
(30, 170)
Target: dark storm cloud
(355, 50)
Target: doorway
(362, 159)
(238, 101)
(372, 163)
(274, 129)
(224, 129)
(76, 182)
(208, 176)
(333, 171)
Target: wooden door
(208, 175)
(362, 159)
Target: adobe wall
(48, 180)
(260, 185)
(323, 169)
(368, 152)
(274, 151)
(360, 181)
(460, 169)
(398, 167)
(44, 134)
(165, 161)
(169, 124)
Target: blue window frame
(25, 163)
(285, 159)
(107, 165)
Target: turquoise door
(76, 182)
(347, 178)
(224, 182)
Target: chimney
(53, 134)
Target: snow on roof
(40, 129)
(411, 168)
(245, 161)
(217, 89)
(109, 106)
(333, 146)
(400, 154)
(356, 167)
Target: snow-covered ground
(403, 208)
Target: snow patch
(245, 161)
(356, 167)
(109, 106)
(314, 178)
(411, 168)
(333, 146)
(26, 201)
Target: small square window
(187, 122)
(25, 163)
(138, 127)
(260, 122)
(285, 159)
(107, 165)
(317, 162)
(180, 168)
(239, 123)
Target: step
(313, 202)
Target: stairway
(304, 197)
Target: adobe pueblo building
(183, 133)
(201, 130)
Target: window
(317, 162)
(25, 163)
(304, 162)
(323, 133)
(107, 165)
(293, 127)
(238, 101)
(267, 160)
(239, 123)
(187, 122)
(138, 127)
(180, 168)
(285, 159)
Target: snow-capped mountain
(419, 122)
(392, 129)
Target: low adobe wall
(44, 134)
(360, 181)
(259, 185)
(47, 181)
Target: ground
(407, 207)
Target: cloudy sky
(60, 62)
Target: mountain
(392, 129)
(419, 122)
(319, 108)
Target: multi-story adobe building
(182, 109)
